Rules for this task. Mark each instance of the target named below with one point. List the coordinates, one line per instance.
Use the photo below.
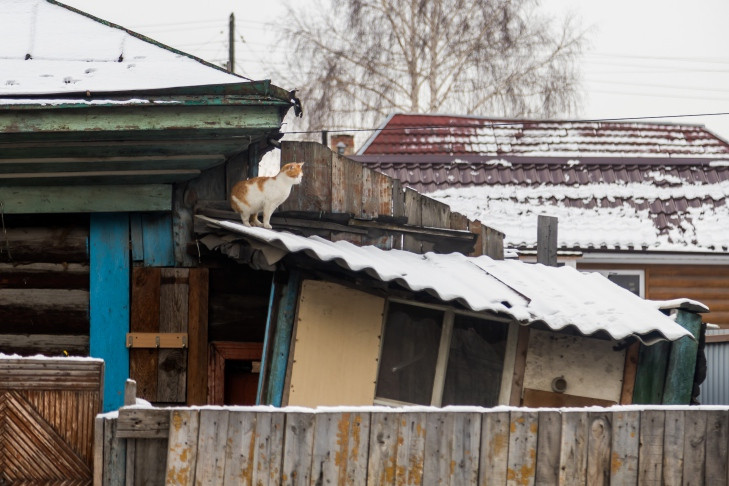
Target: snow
(69, 52)
(514, 210)
(557, 296)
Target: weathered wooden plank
(282, 338)
(414, 212)
(115, 450)
(694, 448)
(573, 454)
(268, 451)
(397, 448)
(651, 374)
(145, 318)
(598, 449)
(383, 190)
(410, 457)
(172, 364)
(548, 447)
(464, 431)
(629, 373)
(517, 384)
(493, 242)
(435, 467)
(673, 447)
(211, 442)
(141, 423)
(314, 193)
(47, 344)
(149, 461)
(682, 361)
(157, 239)
(494, 448)
(44, 275)
(239, 449)
(109, 290)
(625, 441)
(370, 192)
(717, 447)
(521, 462)
(75, 199)
(298, 448)
(98, 458)
(340, 448)
(547, 240)
(183, 447)
(197, 331)
(650, 452)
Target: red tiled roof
(405, 134)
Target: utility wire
(491, 124)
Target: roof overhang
(153, 137)
(559, 298)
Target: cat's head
(294, 171)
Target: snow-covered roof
(423, 134)
(613, 185)
(47, 47)
(559, 297)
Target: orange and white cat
(264, 194)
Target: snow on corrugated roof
(48, 48)
(559, 297)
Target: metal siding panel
(715, 389)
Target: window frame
(606, 272)
(444, 346)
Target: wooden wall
(365, 446)
(334, 184)
(708, 284)
(44, 285)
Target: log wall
(418, 446)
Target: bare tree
(355, 61)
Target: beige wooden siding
(336, 347)
(708, 284)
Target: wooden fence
(413, 446)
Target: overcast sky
(646, 57)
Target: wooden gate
(47, 410)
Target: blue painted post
(282, 339)
(159, 249)
(109, 301)
(266, 337)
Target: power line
(491, 124)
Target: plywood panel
(591, 367)
(336, 346)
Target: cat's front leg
(244, 218)
(267, 219)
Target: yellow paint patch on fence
(615, 463)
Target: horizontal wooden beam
(127, 163)
(85, 199)
(99, 177)
(140, 118)
(163, 340)
(146, 423)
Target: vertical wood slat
(717, 447)
(298, 449)
(673, 447)
(183, 447)
(239, 448)
(521, 461)
(548, 447)
(174, 307)
(625, 443)
(144, 318)
(340, 448)
(414, 212)
(650, 452)
(494, 448)
(682, 361)
(212, 439)
(197, 331)
(267, 454)
(314, 193)
(694, 448)
(573, 457)
(598, 449)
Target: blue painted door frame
(109, 301)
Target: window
(633, 280)
(435, 356)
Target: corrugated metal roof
(47, 47)
(558, 297)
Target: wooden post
(651, 373)
(682, 361)
(231, 43)
(547, 240)
(109, 300)
(282, 339)
(130, 392)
